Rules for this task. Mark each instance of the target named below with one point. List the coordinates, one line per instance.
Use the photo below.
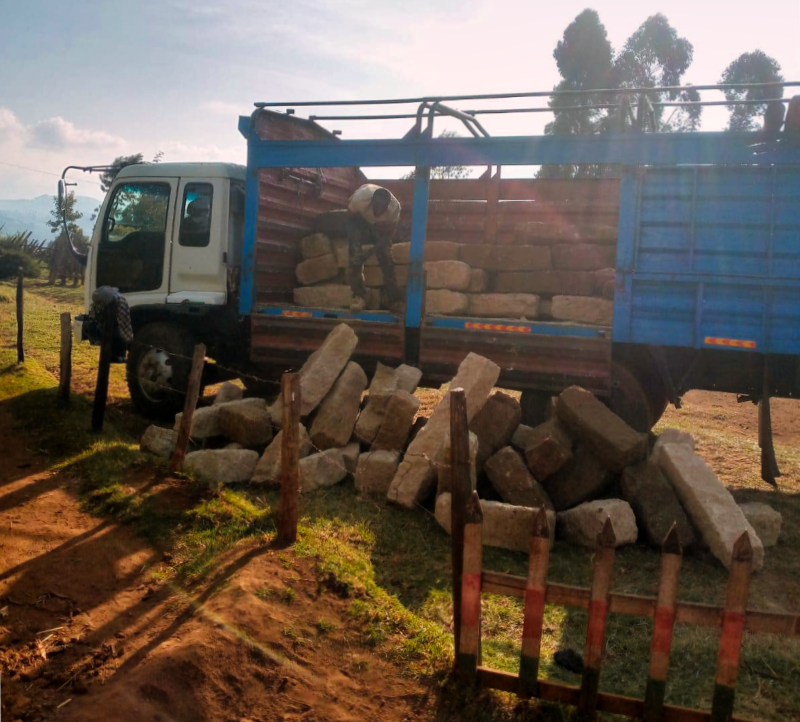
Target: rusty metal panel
(544, 363)
(280, 344)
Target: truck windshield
(131, 252)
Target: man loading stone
(373, 213)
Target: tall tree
(61, 261)
(107, 177)
(755, 67)
(655, 55)
(584, 57)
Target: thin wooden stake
(461, 489)
(733, 619)
(20, 317)
(189, 405)
(109, 328)
(663, 625)
(65, 374)
(468, 650)
(290, 459)
(598, 612)
(535, 591)
(769, 464)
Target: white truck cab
(169, 238)
(166, 233)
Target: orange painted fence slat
(733, 619)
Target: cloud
(60, 133)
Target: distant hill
(32, 215)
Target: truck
(703, 229)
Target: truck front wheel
(158, 367)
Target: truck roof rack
(619, 99)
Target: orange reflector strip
(731, 342)
(297, 314)
(497, 327)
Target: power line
(38, 170)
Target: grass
(392, 565)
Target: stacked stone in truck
(548, 271)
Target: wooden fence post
(598, 613)
(535, 592)
(109, 329)
(65, 374)
(663, 625)
(290, 459)
(189, 405)
(461, 489)
(20, 317)
(468, 651)
(730, 640)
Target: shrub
(11, 260)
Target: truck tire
(628, 399)
(157, 370)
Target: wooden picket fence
(733, 619)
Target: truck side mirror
(62, 195)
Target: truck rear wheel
(628, 399)
(157, 371)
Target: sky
(85, 81)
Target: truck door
(198, 271)
(133, 250)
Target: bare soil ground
(88, 633)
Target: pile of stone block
(583, 465)
(549, 273)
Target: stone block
(581, 479)
(583, 524)
(495, 424)
(551, 233)
(222, 466)
(478, 281)
(416, 474)
(608, 436)
(512, 480)
(491, 257)
(246, 425)
(604, 280)
(765, 520)
(336, 417)
(341, 251)
(370, 419)
(324, 296)
(710, 506)
(580, 309)
(545, 283)
(400, 410)
(205, 420)
(504, 525)
(548, 448)
(433, 251)
(655, 505)
(268, 470)
(583, 257)
(318, 269)
(384, 381)
(446, 303)
(159, 441)
(671, 436)
(521, 437)
(408, 378)
(322, 470)
(375, 471)
(350, 454)
(317, 244)
(503, 305)
(445, 483)
(228, 392)
(320, 371)
(453, 275)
